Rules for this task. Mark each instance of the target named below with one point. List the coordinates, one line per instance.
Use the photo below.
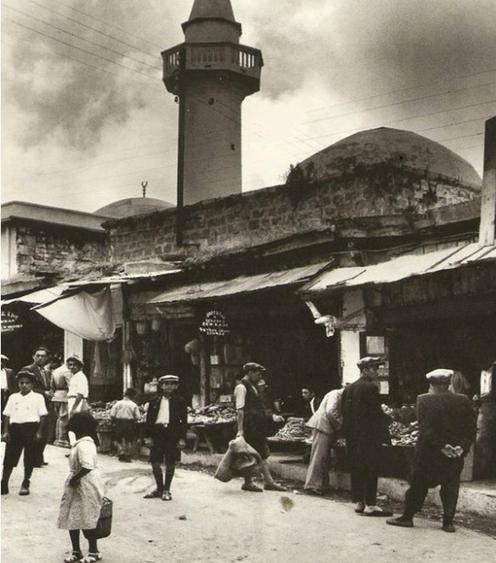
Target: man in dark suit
(41, 384)
(9, 384)
(366, 429)
(447, 428)
(166, 421)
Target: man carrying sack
(252, 424)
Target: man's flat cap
(439, 375)
(253, 366)
(369, 361)
(168, 379)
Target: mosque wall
(242, 221)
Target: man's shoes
(315, 492)
(24, 490)
(44, 463)
(275, 487)
(448, 527)
(251, 487)
(401, 521)
(359, 508)
(376, 511)
(5, 488)
(166, 495)
(154, 494)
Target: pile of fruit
(404, 434)
(295, 430)
(212, 414)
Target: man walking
(365, 429)
(252, 423)
(166, 420)
(446, 431)
(41, 385)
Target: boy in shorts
(25, 417)
(124, 415)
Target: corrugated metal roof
(239, 285)
(124, 278)
(402, 267)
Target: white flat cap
(439, 374)
(168, 378)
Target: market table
(216, 436)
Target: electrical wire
(79, 48)
(409, 100)
(397, 91)
(430, 114)
(134, 47)
(94, 43)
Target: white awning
(400, 268)
(40, 296)
(238, 285)
(92, 316)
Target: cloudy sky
(86, 118)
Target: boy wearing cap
(166, 420)
(252, 423)
(447, 428)
(25, 415)
(366, 429)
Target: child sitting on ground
(124, 415)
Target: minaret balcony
(210, 57)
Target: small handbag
(104, 524)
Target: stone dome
(132, 206)
(392, 149)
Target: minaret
(211, 74)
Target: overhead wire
(398, 90)
(72, 46)
(94, 43)
(430, 114)
(107, 23)
(96, 30)
(407, 101)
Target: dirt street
(211, 521)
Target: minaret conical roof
(218, 9)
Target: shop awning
(92, 316)
(400, 268)
(239, 285)
(37, 297)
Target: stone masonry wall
(245, 220)
(59, 250)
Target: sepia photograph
(248, 283)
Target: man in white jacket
(325, 425)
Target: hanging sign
(10, 322)
(215, 324)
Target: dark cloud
(354, 44)
(57, 89)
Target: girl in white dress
(83, 492)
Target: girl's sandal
(91, 558)
(73, 557)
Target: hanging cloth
(88, 315)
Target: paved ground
(211, 521)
